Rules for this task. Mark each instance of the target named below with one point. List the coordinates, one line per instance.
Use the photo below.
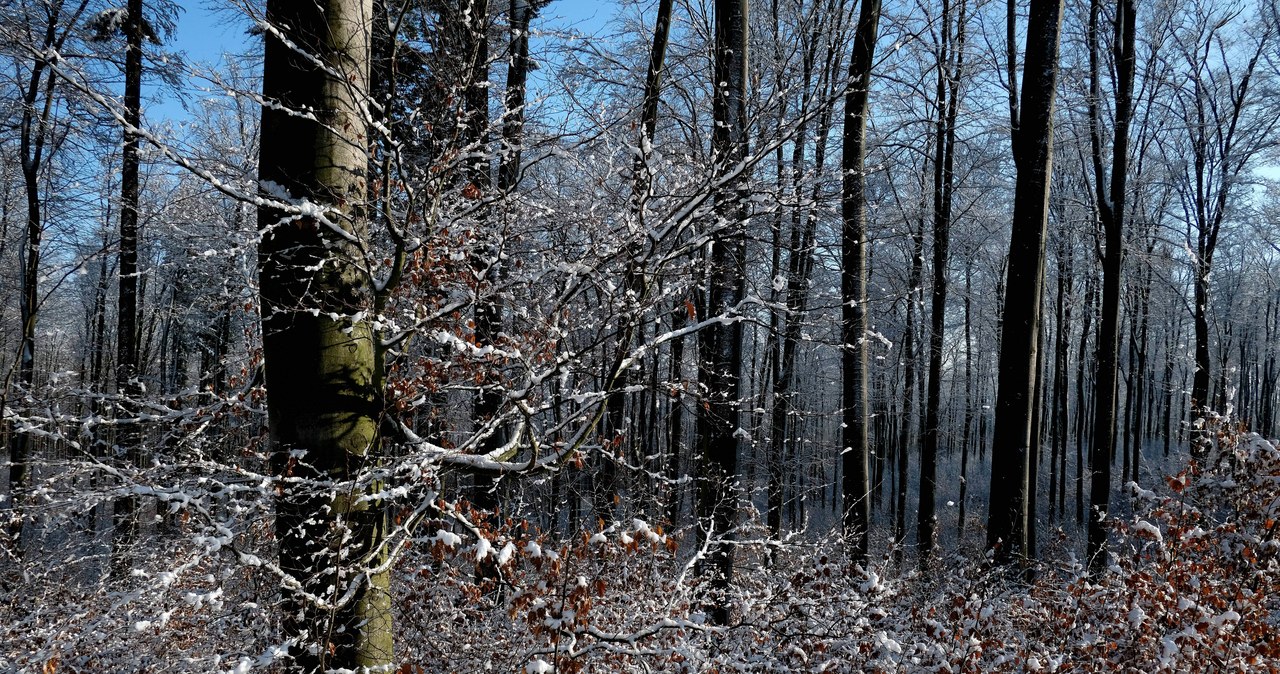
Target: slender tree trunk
(34, 131)
(855, 485)
(486, 257)
(1111, 209)
(968, 399)
(907, 424)
(1200, 314)
(1037, 441)
(675, 420)
(720, 344)
(803, 227)
(1139, 374)
(1062, 435)
(634, 284)
(1058, 393)
(950, 66)
(1167, 386)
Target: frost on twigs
(1193, 580)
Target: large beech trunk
(322, 361)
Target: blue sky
(207, 29)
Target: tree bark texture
(128, 386)
(322, 361)
(950, 66)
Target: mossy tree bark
(322, 360)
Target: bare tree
(38, 139)
(1110, 201)
(720, 345)
(950, 68)
(1226, 126)
(855, 451)
(1032, 130)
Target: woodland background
(783, 335)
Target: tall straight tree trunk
(803, 226)
(32, 154)
(1268, 387)
(640, 192)
(1055, 431)
(950, 67)
(1111, 203)
(968, 399)
(514, 101)
(1200, 324)
(1082, 409)
(675, 420)
(772, 459)
(1037, 440)
(1059, 428)
(909, 395)
(127, 384)
(1019, 340)
(1166, 384)
(634, 283)
(485, 258)
(829, 81)
(1139, 339)
(855, 481)
(323, 365)
(720, 344)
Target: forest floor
(1193, 584)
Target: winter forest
(534, 336)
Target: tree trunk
(322, 361)
(1111, 203)
(515, 99)
(905, 428)
(943, 185)
(855, 482)
(1057, 392)
(1019, 339)
(34, 129)
(675, 420)
(128, 386)
(720, 344)
(968, 399)
(803, 226)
